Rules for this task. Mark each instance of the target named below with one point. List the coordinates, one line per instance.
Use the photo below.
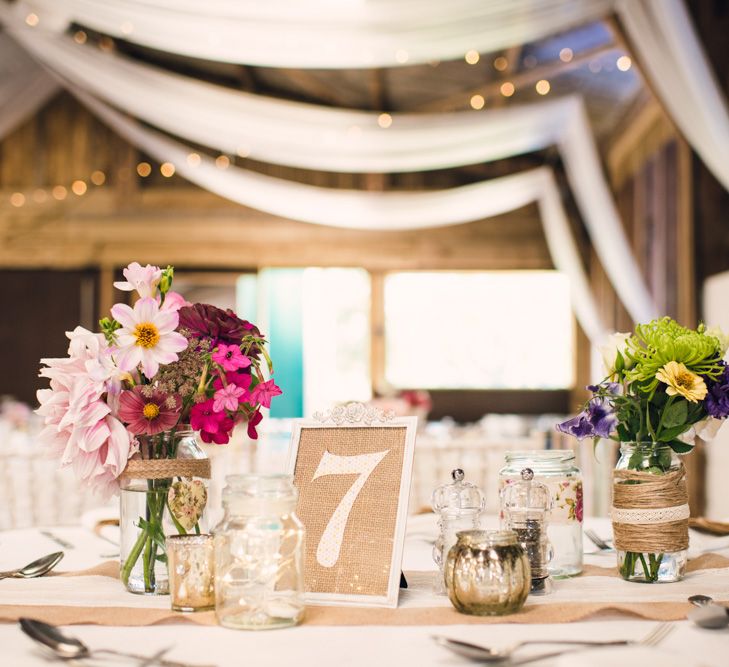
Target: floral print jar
(556, 468)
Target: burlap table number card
(352, 467)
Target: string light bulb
(79, 188)
(40, 195)
(501, 63)
(507, 89)
(384, 120)
(402, 56)
(472, 57)
(477, 102)
(17, 199)
(32, 20)
(80, 37)
(59, 192)
(193, 159)
(167, 169)
(543, 86)
(222, 162)
(566, 54)
(98, 177)
(624, 63)
(144, 169)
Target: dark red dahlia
(216, 325)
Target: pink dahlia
(148, 414)
(147, 336)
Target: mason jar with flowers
(665, 386)
(125, 409)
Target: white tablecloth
(344, 646)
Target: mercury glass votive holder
(487, 573)
(191, 563)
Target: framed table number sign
(352, 468)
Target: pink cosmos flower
(147, 336)
(228, 398)
(230, 357)
(148, 415)
(144, 279)
(264, 392)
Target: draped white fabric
(322, 33)
(376, 210)
(24, 87)
(321, 138)
(369, 33)
(663, 36)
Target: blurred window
(479, 330)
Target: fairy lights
(144, 169)
(472, 57)
(566, 54)
(167, 169)
(32, 20)
(384, 120)
(543, 87)
(477, 102)
(79, 188)
(501, 63)
(193, 159)
(222, 162)
(507, 89)
(624, 63)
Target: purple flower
(580, 426)
(597, 421)
(602, 417)
(717, 399)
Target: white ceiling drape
(322, 33)
(314, 137)
(388, 211)
(669, 49)
(380, 33)
(24, 87)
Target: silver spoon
(69, 648)
(486, 654)
(35, 569)
(708, 614)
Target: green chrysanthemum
(661, 341)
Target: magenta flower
(254, 420)
(228, 398)
(203, 417)
(230, 357)
(148, 415)
(264, 392)
(222, 435)
(239, 379)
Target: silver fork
(487, 655)
(597, 540)
(657, 635)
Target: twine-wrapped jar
(650, 513)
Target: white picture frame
(341, 533)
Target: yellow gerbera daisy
(682, 382)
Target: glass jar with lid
(459, 506)
(259, 554)
(556, 468)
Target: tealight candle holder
(191, 564)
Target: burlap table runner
(348, 616)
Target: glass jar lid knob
(458, 495)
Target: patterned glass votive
(191, 562)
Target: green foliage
(108, 327)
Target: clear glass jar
(259, 554)
(556, 468)
(487, 573)
(153, 506)
(652, 563)
(459, 506)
